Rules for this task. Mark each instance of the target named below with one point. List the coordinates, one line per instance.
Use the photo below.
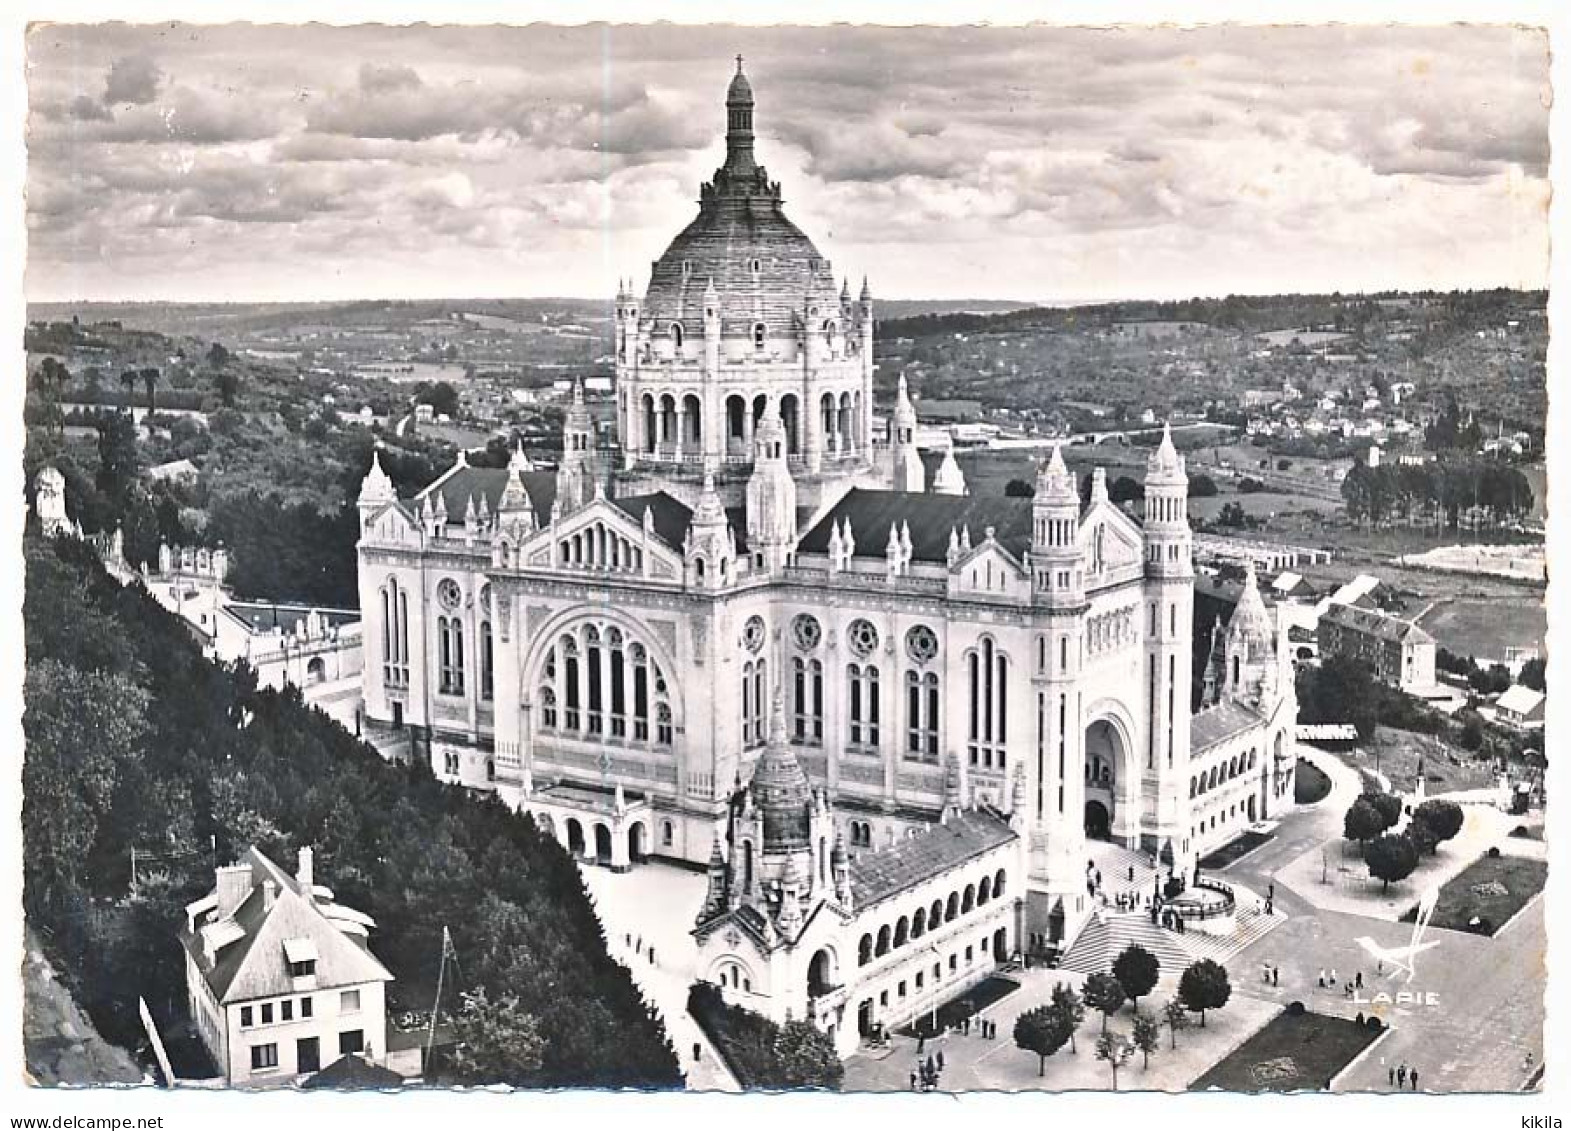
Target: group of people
(1327, 981)
(1272, 974)
(637, 944)
(1402, 1077)
(924, 1077)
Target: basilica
(751, 635)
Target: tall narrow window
(807, 701)
(922, 716)
(753, 719)
(486, 656)
(988, 675)
(864, 713)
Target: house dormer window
(306, 969)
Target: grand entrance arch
(1112, 781)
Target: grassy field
(1261, 504)
(1485, 629)
(1310, 783)
(1508, 883)
(1290, 1054)
(1445, 767)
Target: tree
(150, 378)
(1125, 490)
(1043, 1031)
(1147, 1036)
(1204, 986)
(1533, 674)
(495, 1042)
(1073, 1006)
(806, 1058)
(1137, 970)
(1363, 821)
(1202, 487)
(1471, 735)
(217, 355)
(1105, 995)
(1341, 690)
(118, 464)
(1115, 1049)
(1177, 1017)
(129, 378)
(1391, 857)
(1442, 818)
(441, 396)
(1388, 805)
(1422, 836)
(1018, 489)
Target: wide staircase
(1110, 931)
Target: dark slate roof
(1217, 724)
(352, 1072)
(879, 875)
(931, 518)
(489, 482)
(1373, 622)
(671, 516)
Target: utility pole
(436, 1002)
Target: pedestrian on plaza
(651, 956)
(940, 1060)
(1413, 1076)
(1099, 877)
(965, 1026)
(1391, 1075)
(1359, 1020)
(1321, 980)
(1401, 1076)
(1380, 966)
(1276, 975)
(1358, 979)
(913, 1081)
(1265, 973)
(1271, 890)
(932, 1068)
(1131, 873)
(921, 1043)
(1333, 975)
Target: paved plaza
(1468, 1019)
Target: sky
(271, 163)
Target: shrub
(761, 1053)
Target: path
(653, 906)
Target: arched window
(450, 632)
(807, 701)
(882, 947)
(998, 883)
(919, 923)
(864, 950)
(968, 901)
(758, 336)
(395, 635)
(902, 932)
(864, 711)
(935, 916)
(952, 908)
(922, 716)
(676, 335)
(984, 891)
(753, 718)
(987, 671)
(595, 684)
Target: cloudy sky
(240, 162)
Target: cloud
(132, 81)
(377, 80)
(85, 109)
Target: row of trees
(134, 740)
(1046, 1029)
(1437, 492)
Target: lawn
(1310, 783)
(1293, 1052)
(1235, 849)
(1257, 505)
(973, 1001)
(1484, 629)
(1493, 888)
(1446, 768)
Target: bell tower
(1169, 617)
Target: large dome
(763, 267)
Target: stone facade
(603, 647)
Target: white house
(280, 979)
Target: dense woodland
(135, 740)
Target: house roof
(930, 517)
(1217, 724)
(250, 960)
(1520, 699)
(1374, 622)
(966, 835)
(264, 616)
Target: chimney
(234, 884)
(269, 893)
(305, 874)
